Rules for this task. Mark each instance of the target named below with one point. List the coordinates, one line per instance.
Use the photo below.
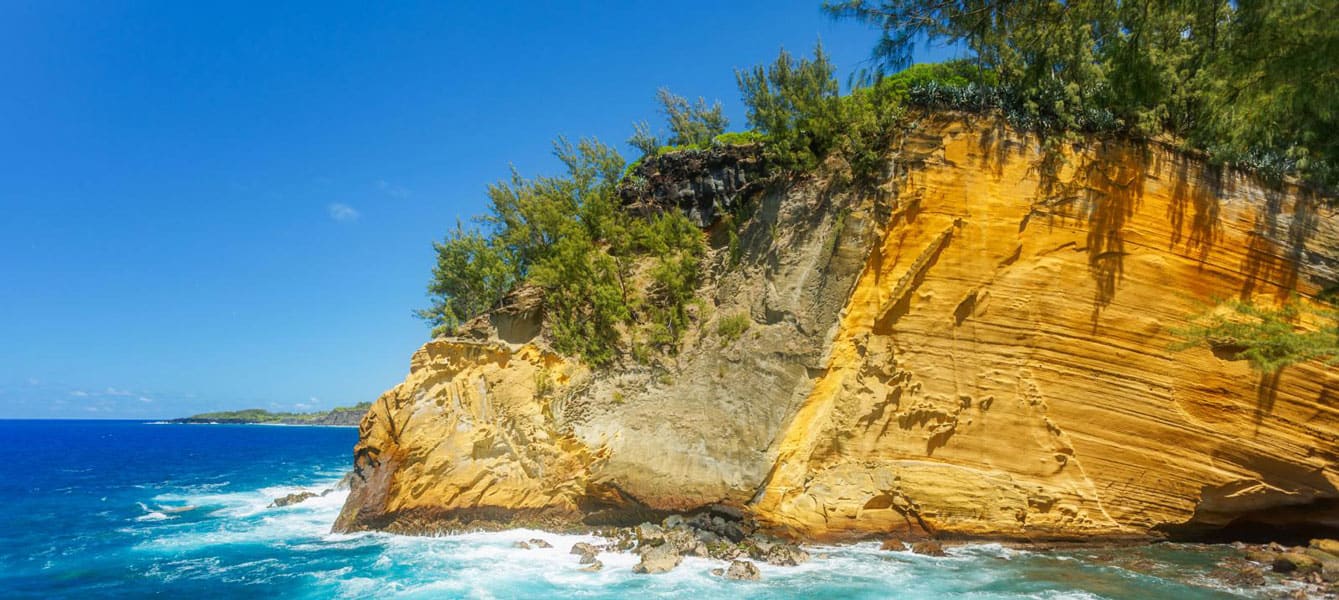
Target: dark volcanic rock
(704, 184)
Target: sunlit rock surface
(978, 346)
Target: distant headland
(346, 416)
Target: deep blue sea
(130, 509)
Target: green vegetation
(569, 236)
(730, 327)
(1253, 83)
(692, 125)
(1271, 338)
(343, 415)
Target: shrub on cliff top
(1254, 83)
(570, 236)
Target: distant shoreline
(193, 422)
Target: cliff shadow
(1114, 175)
(1196, 188)
(1278, 241)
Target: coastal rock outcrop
(980, 345)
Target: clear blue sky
(229, 205)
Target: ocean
(132, 509)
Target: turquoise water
(91, 514)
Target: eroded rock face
(1003, 365)
(980, 346)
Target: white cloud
(111, 391)
(145, 399)
(343, 212)
(391, 189)
(79, 394)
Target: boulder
(659, 559)
(672, 521)
(521, 545)
(928, 548)
(1248, 576)
(583, 548)
(1263, 557)
(1326, 546)
(593, 567)
(587, 559)
(290, 499)
(1296, 563)
(786, 555)
(893, 545)
(649, 534)
(538, 543)
(743, 570)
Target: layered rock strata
(979, 346)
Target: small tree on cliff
(1270, 338)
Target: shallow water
(134, 509)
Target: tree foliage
(570, 236)
(691, 124)
(1254, 82)
(1270, 338)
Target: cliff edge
(977, 346)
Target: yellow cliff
(987, 354)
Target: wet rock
(1297, 563)
(521, 545)
(584, 551)
(538, 543)
(1248, 576)
(893, 545)
(928, 548)
(659, 559)
(1263, 557)
(587, 559)
(743, 570)
(291, 499)
(672, 521)
(706, 537)
(786, 555)
(649, 534)
(593, 567)
(1326, 546)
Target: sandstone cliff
(979, 346)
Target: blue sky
(229, 205)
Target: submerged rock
(893, 545)
(928, 548)
(538, 543)
(593, 567)
(292, 499)
(521, 545)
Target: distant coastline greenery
(1251, 84)
(342, 415)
